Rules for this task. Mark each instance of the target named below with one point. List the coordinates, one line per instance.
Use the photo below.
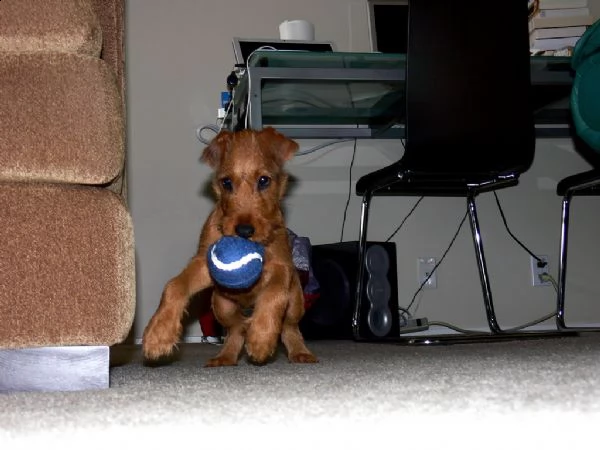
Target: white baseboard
(433, 331)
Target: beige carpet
(534, 394)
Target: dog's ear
(283, 146)
(212, 154)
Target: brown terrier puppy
(249, 182)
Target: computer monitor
(243, 47)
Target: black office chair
(469, 125)
(585, 108)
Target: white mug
(296, 30)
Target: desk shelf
(361, 95)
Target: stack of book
(556, 25)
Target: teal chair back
(585, 95)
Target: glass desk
(361, 95)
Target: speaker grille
(379, 320)
(377, 260)
(378, 290)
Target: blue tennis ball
(235, 262)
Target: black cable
(440, 261)
(539, 260)
(405, 218)
(349, 190)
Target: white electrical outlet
(425, 266)
(537, 271)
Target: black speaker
(335, 266)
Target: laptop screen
(243, 47)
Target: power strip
(415, 325)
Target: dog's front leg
(230, 317)
(164, 329)
(266, 321)
(290, 333)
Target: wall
(594, 6)
(178, 55)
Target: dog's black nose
(244, 230)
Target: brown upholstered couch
(67, 275)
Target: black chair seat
(571, 183)
(395, 180)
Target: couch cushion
(49, 25)
(67, 273)
(110, 14)
(61, 119)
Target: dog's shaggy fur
(249, 183)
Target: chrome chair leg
(483, 275)
(562, 263)
(362, 250)
(562, 270)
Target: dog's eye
(263, 182)
(227, 184)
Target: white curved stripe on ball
(234, 265)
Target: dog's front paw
(159, 341)
(261, 349)
(156, 348)
(303, 358)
